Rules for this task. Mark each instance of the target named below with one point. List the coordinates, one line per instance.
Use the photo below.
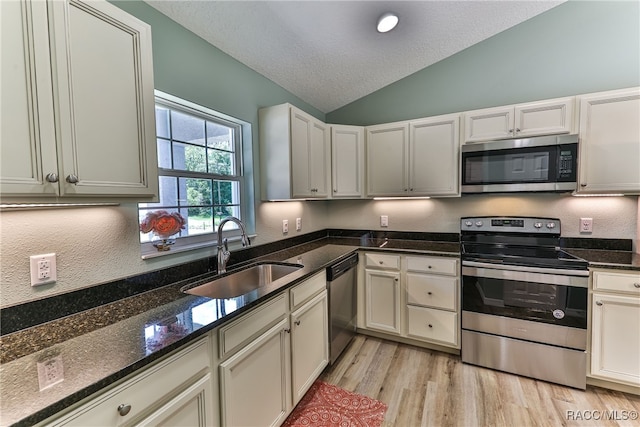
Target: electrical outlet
(285, 226)
(298, 224)
(384, 220)
(50, 372)
(43, 269)
(586, 225)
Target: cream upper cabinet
(387, 151)
(347, 161)
(434, 156)
(549, 117)
(89, 65)
(615, 326)
(609, 156)
(295, 157)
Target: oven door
(540, 295)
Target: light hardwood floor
(430, 388)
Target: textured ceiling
(328, 53)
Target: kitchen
(90, 241)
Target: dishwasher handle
(338, 269)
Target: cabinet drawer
(382, 261)
(434, 265)
(234, 335)
(432, 291)
(143, 390)
(617, 282)
(308, 289)
(431, 324)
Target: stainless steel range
(524, 300)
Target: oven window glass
(504, 167)
(539, 302)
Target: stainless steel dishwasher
(341, 287)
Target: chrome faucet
(223, 245)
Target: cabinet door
(309, 344)
(488, 124)
(255, 383)
(190, 408)
(309, 155)
(434, 156)
(347, 161)
(27, 133)
(615, 338)
(610, 142)
(386, 159)
(544, 118)
(101, 57)
(382, 307)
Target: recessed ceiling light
(387, 22)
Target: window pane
(219, 136)
(162, 122)
(199, 220)
(221, 162)
(225, 192)
(198, 191)
(164, 153)
(168, 191)
(189, 157)
(187, 128)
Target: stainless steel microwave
(547, 163)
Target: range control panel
(510, 224)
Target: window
(199, 168)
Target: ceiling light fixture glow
(387, 22)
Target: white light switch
(384, 220)
(43, 269)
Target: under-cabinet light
(402, 198)
(597, 195)
(28, 206)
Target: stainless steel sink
(243, 281)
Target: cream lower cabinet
(255, 383)
(175, 391)
(411, 296)
(610, 142)
(58, 59)
(382, 293)
(273, 355)
(615, 327)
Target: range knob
(468, 223)
(551, 225)
(478, 223)
(538, 225)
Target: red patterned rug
(328, 405)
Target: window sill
(190, 247)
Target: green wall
(576, 47)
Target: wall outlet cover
(586, 225)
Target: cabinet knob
(583, 184)
(381, 262)
(52, 177)
(429, 293)
(411, 189)
(598, 302)
(510, 130)
(429, 267)
(72, 179)
(287, 330)
(430, 325)
(396, 279)
(124, 409)
(517, 130)
(637, 285)
(297, 322)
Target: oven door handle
(549, 276)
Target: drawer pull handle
(637, 285)
(124, 409)
(598, 302)
(297, 322)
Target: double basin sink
(244, 281)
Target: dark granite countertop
(619, 260)
(104, 344)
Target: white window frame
(206, 239)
